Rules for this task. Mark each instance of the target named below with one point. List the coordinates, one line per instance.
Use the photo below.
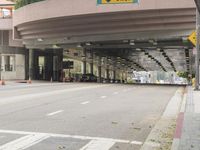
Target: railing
(21, 3)
(5, 13)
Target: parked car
(88, 78)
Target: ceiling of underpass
(173, 54)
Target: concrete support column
(31, 64)
(91, 62)
(197, 49)
(99, 74)
(99, 70)
(107, 73)
(0, 66)
(84, 69)
(114, 74)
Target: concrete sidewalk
(187, 136)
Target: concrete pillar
(84, 69)
(198, 50)
(99, 70)
(99, 74)
(31, 64)
(26, 64)
(0, 66)
(107, 74)
(91, 63)
(114, 74)
(91, 68)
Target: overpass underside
(135, 40)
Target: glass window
(8, 63)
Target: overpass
(143, 36)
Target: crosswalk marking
(98, 145)
(24, 142)
(31, 138)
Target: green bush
(21, 3)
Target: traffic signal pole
(197, 50)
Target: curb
(179, 123)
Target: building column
(114, 74)
(0, 66)
(91, 62)
(31, 64)
(107, 74)
(84, 65)
(99, 70)
(198, 50)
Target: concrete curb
(166, 125)
(179, 123)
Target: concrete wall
(19, 73)
(6, 24)
(62, 8)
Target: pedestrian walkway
(190, 132)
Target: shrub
(21, 3)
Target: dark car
(88, 78)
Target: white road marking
(103, 97)
(98, 145)
(136, 143)
(86, 102)
(69, 136)
(54, 113)
(7, 100)
(24, 142)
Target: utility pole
(0, 66)
(197, 49)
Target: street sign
(116, 1)
(193, 38)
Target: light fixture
(88, 43)
(158, 49)
(55, 46)
(138, 49)
(155, 43)
(132, 43)
(79, 46)
(40, 40)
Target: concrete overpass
(145, 36)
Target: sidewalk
(188, 130)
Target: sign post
(193, 38)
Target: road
(76, 116)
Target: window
(8, 63)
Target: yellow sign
(116, 1)
(193, 38)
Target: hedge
(21, 3)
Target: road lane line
(86, 102)
(7, 100)
(69, 136)
(103, 97)
(54, 113)
(98, 145)
(24, 142)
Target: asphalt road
(77, 116)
